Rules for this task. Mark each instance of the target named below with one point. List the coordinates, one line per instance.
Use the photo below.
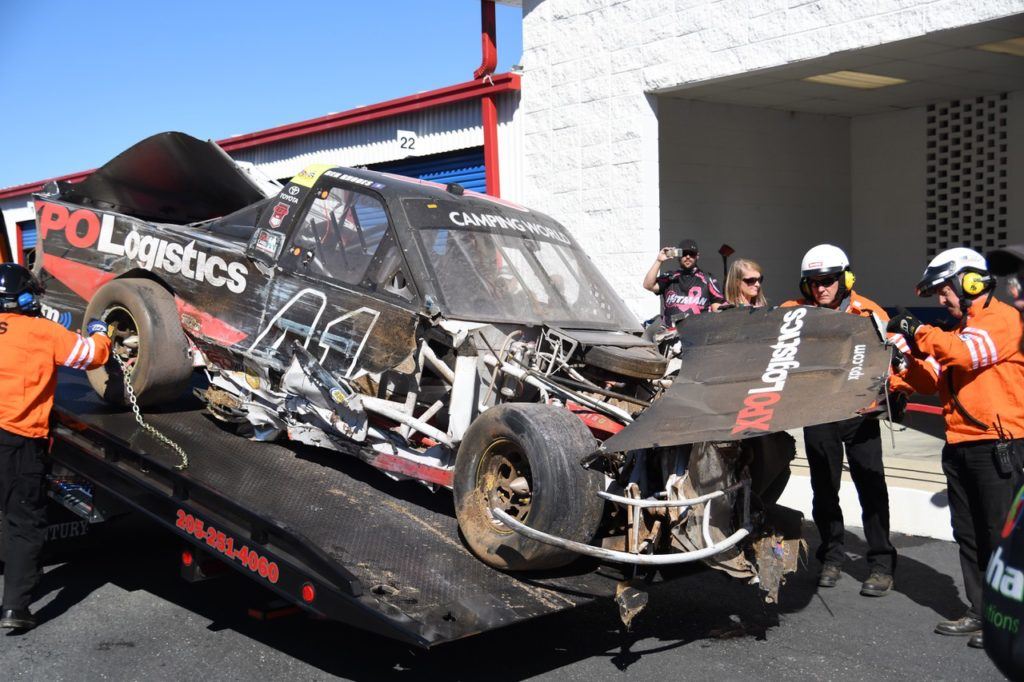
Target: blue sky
(81, 81)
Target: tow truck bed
(377, 554)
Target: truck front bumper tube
(621, 557)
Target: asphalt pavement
(119, 611)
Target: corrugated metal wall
(439, 130)
(463, 167)
(28, 234)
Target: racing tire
(638, 362)
(536, 449)
(162, 368)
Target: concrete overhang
(940, 66)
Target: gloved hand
(905, 324)
(899, 359)
(897, 406)
(96, 327)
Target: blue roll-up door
(28, 234)
(465, 167)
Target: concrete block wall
(888, 203)
(590, 125)
(1015, 172)
(771, 184)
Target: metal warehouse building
(893, 128)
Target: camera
(673, 252)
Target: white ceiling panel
(938, 67)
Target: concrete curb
(913, 511)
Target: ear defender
(976, 283)
(848, 278)
(26, 301)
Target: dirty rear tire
(563, 500)
(163, 369)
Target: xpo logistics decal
(83, 229)
(758, 407)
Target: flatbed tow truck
(328, 534)
(448, 338)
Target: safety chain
(134, 401)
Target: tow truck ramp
(322, 530)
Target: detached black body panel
(169, 177)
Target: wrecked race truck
(453, 339)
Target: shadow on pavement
(694, 610)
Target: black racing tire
(162, 367)
(543, 445)
(639, 362)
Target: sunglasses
(751, 281)
(691, 254)
(824, 281)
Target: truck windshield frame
(491, 264)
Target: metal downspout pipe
(488, 107)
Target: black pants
(863, 442)
(23, 503)
(979, 500)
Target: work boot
(830, 575)
(878, 584)
(975, 642)
(968, 625)
(17, 619)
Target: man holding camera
(686, 291)
(978, 370)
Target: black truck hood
(169, 177)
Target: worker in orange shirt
(978, 370)
(826, 281)
(31, 350)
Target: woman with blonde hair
(744, 285)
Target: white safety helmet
(824, 259)
(951, 266)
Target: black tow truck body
(338, 539)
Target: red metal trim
(489, 40)
(21, 243)
(925, 409)
(33, 187)
(489, 116)
(426, 100)
(469, 90)
(421, 472)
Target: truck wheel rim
(503, 477)
(124, 327)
